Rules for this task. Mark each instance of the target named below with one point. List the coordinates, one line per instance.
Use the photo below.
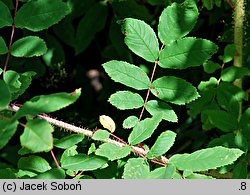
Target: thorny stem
(162, 160)
(11, 40)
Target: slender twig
(151, 80)
(11, 40)
(55, 160)
(141, 152)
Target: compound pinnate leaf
(174, 90)
(33, 163)
(223, 120)
(93, 22)
(124, 100)
(28, 47)
(141, 39)
(163, 143)
(5, 95)
(136, 168)
(144, 129)
(41, 14)
(5, 15)
(47, 103)
(112, 151)
(83, 162)
(3, 47)
(157, 107)
(177, 20)
(37, 136)
(205, 159)
(127, 74)
(7, 130)
(186, 52)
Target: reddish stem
(11, 40)
(230, 3)
(55, 160)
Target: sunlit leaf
(47, 103)
(177, 21)
(28, 47)
(144, 129)
(186, 52)
(141, 39)
(205, 159)
(41, 14)
(124, 100)
(174, 90)
(37, 136)
(136, 168)
(112, 151)
(127, 74)
(157, 107)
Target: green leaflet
(7, 130)
(54, 173)
(28, 47)
(163, 143)
(3, 47)
(130, 122)
(229, 53)
(83, 162)
(17, 82)
(141, 39)
(68, 152)
(144, 129)
(5, 15)
(240, 170)
(232, 73)
(41, 14)
(176, 21)
(112, 151)
(162, 172)
(127, 74)
(47, 103)
(5, 95)
(93, 22)
(186, 52)
(244, 123)
(156, 107)
(223, 120)
(37, 136)
(68, 141)
(101, 135)
(229, 97)
(210, 67)
(174, 90)
(136, 168)
(205, 159)
(7, 173)
(124, 100)
(33, 163)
